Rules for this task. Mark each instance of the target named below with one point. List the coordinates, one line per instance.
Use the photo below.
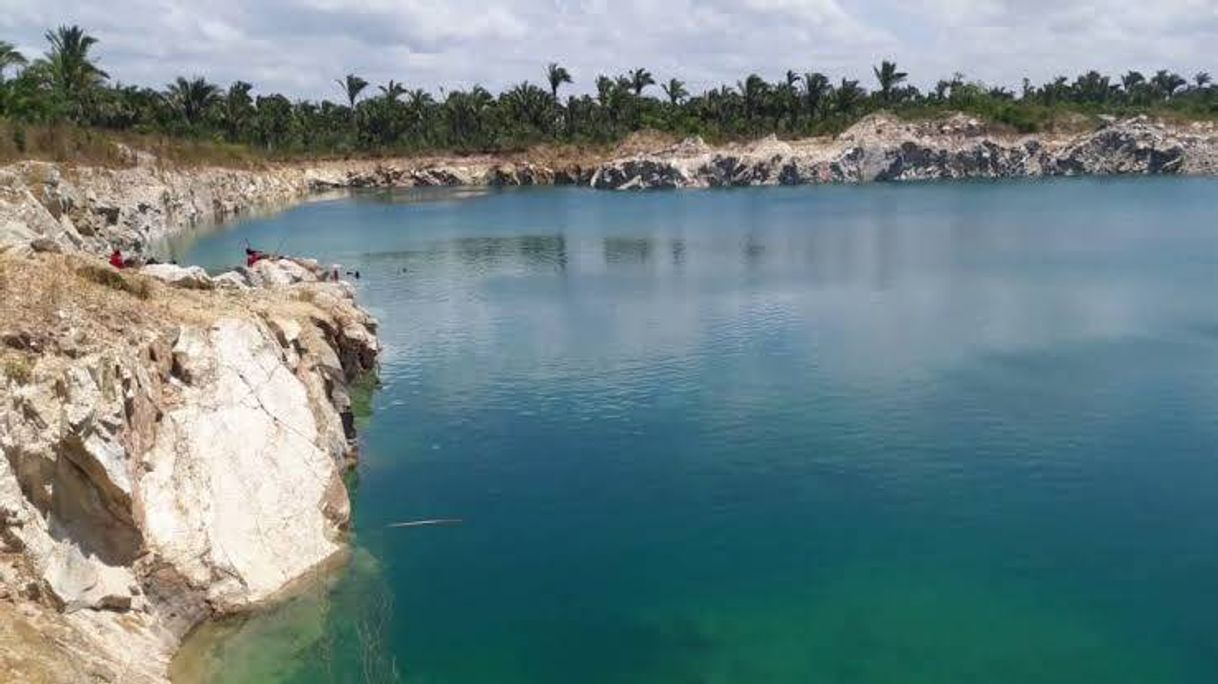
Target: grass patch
(66, 143)
(108, 277)
(19, 369)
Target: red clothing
(254, 257)
(116, 259)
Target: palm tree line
(65, 85)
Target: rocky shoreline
(174, 442)
(94, 209)
(882, 148)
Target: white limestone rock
(236, 480)
(231, 280)
(188, 277)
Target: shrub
(19, 369)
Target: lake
(957, 432)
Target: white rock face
(189, 277)
(236, 483)
(883, 148)
(173, 474)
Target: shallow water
(920, 433)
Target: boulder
(232, 280)
(77, 582)
(188, 277)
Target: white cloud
(301, 46)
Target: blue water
(917, 433)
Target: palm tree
(1132, 81)
(392, 90)
(675, 90)
(639, 80)
(238, 108)
(72, 73)
(557, 76)
(889, 78)
(754, 90)
(352, 86)
(1202, 79)
(526, 103)
(816, 90)
(192, 97)
(848, 95)
(1165, 83)
(604, 89)
(1093, 87)
(9, 57)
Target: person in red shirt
(116, 259)
(253, 256)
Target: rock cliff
(95, 209)
(131, 208)
(883, 148)
(170, 453)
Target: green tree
(9, 57)
(639, 80)
(848, 95)
(73, 74)
(273, 121)
(675, 91)
(1165, 84)
(238, 109)
(392, 90)
(816, 90)
(754, 90)
(1093, 87)
(192, 97)
(1135, 86)
(889, 78)
(527, 104)
(557, 76)
(352, 86)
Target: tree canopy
(66, 85)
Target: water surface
(920, 433)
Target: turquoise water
(918, 433)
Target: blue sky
(300, 46)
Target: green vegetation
(17, 368)
(46, 102)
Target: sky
(299, 47)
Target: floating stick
(429, 523)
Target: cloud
(301, 46)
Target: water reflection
(421, 194)
(676, 247)
(627, 250)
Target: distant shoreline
(139, 205)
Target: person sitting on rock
(116, 258)
(253, 256)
